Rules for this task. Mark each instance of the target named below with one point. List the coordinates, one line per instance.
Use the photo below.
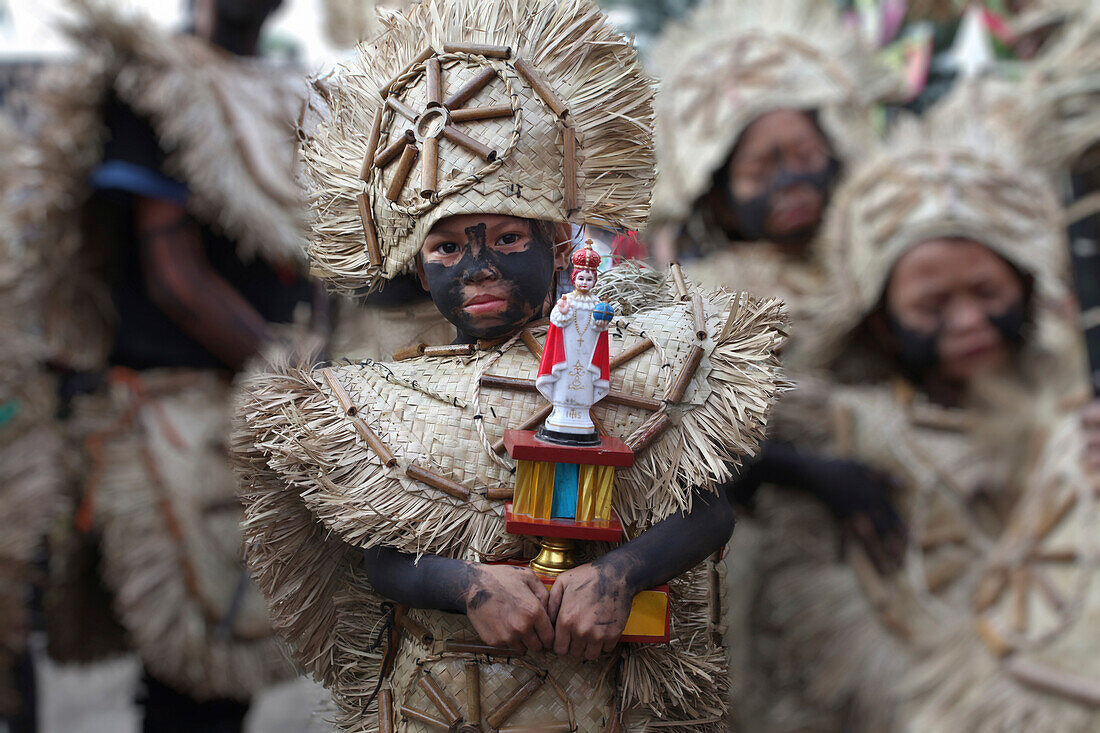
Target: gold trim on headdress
(538, 110)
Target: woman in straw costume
(946, 309)
(162, 201)
(461, 145)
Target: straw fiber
(162, 496)
(842, 643)
(227, 122)
(377, 332)
(579, 694)
(314, 490)
(29, 493)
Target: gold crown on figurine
(537, 109)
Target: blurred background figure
(164, 205)
(761, 107)
(945, 331)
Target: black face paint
(918, 352)
(916, 349)
(522, 279)
(1011, 322)
(752, 214)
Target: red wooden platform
(522, 445)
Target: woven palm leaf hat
(958, 172)
(529, 108)
(732, 61)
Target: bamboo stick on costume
(444, 498)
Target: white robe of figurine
(574, 373)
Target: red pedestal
(522, 445)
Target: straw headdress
(734, 60)
(956, 173)
(532, 109)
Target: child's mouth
(483, 304)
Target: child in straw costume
(373, 483)
(948, 286)
(161, 201)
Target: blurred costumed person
(761, 107)
(946, 325)
(163, 201)
(30, 447)
(378, 484)
(1028, 653)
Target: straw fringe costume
(729, 63)
(30, 479)
(931, 646)
(150, 447)
(406, 454)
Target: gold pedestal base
(555, 557)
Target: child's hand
(507, 606)
(589, 606)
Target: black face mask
(917, 349)
(752, 214)
(528, 276)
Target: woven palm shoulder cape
(318, 488)
(227, 128)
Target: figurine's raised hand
(589, 606)
(507, 606)
(563, 305)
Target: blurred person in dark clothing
(172, 230)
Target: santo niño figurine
(461, 146)
(573, 374)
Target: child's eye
(509, 238)
(447, 248)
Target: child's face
(487, 274)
